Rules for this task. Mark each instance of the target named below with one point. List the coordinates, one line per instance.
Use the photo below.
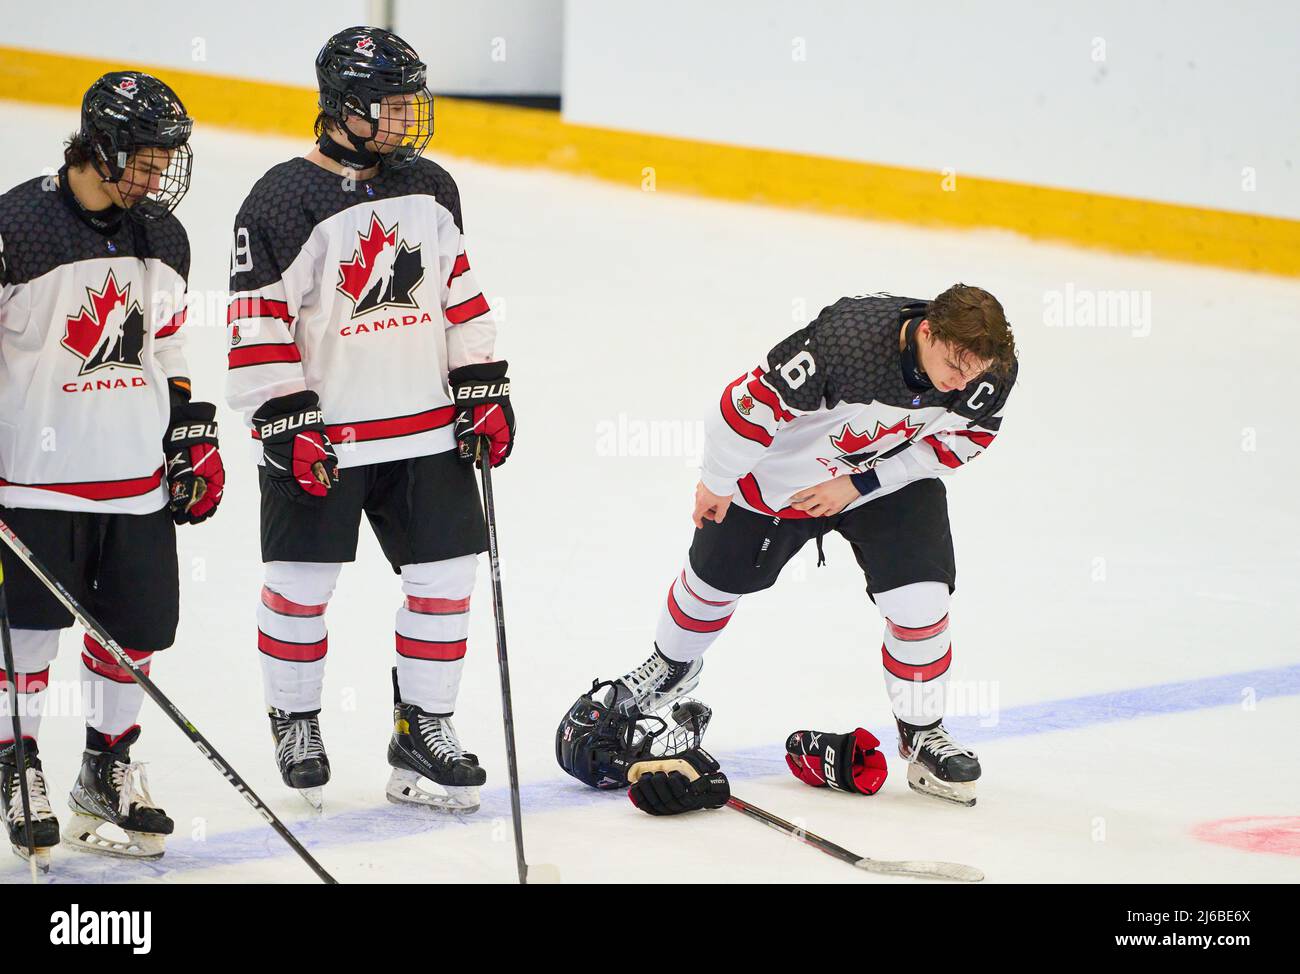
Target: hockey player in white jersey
(102, 453)
(845, 426)
(362, 356)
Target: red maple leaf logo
(354, 273)
(745, 404)
(108, 328)
(383, 272)
(849, 442)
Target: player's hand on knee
(483, 412)
(300, 459)
(196, 477)
(684, 782)
(826, 499)
(709, 506)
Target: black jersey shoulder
(294, 197)
(39, 233)
(853, 345)
(982, 400)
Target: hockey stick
(537, 873)
(20, 748)
(917, 868)
(157, 696)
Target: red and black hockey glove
(845, 762)
(196, 477)
(684, 782)
(482, 397)
(300, 459)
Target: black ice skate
(937, 765)
(300, 753)
(424, 745)
(112, 790)
(45, 827)
(654, 685)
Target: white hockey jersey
(362, 292)
(90, 335)
(831, 400)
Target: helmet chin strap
(357, 156)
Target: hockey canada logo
(109, 329)
(366, 46)
(853, 446)
(384, 270)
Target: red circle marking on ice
(1280, 835)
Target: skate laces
(36, 794)
(941, 745)
(132, 786)
(300, 740)
(439, 736)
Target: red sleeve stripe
(749, 490)
(241, 358)
(978, 437)
(693, 625)
(765, 394)
(427, 649)
(914, 673)
(174, 325)
(739, 425)
(100, 490)
(437, 607)
(242, 308)
(292, 652)
(278, 604)
(458, 268)
(945, 455)
(916, 635)
(458, 314)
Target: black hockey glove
(196, 477)
(684, 782)
(482, 397)
(300, 459)
(845, 762)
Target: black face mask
(356, 156)
(106, 221)
(915, 378)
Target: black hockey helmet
(126, 111)
(597, 743)
(355, 71)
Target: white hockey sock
(291, 634)
(33, 651)
(432, 631)
(110, 699)
(917, 650)
(693, 616)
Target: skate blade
(922, 781)
(42, 859)
(314, 797)
(82, 834)
(404, 789)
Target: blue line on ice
(384, 822)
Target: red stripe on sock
(437, 607)
(913, 672)
(427, 649)
(292, 652)
(692, 624)
(279, 604)
(913, 635)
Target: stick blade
(922, 869)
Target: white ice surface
(1134, 526)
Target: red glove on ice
(845, 762)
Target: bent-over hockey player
(102, 453)
(361, 354)
(845, 426)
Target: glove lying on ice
(845, 762)
(684, 782)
